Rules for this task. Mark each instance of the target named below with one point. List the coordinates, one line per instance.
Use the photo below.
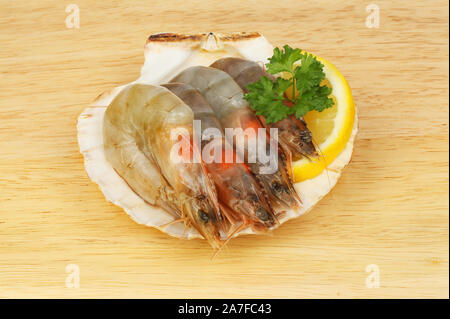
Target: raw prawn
(244, 201)
(226, 99)
(137, 131)
(293, 134)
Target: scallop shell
(167, 54)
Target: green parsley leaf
(283, 61)
(267, 97)
(309, 73)
(314, 99)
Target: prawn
(137, 142)
(226, 99)
(237, 189)
(293, 133)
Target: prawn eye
(306, 136)
(203, 216)
(262, 214)
(277, 187)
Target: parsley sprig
(267, 97)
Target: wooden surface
(389, 209)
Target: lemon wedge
(331, 128)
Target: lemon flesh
(331, 128)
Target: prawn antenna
(239, 228)
(321, 155)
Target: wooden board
(390, 209)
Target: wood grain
(390, 208)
